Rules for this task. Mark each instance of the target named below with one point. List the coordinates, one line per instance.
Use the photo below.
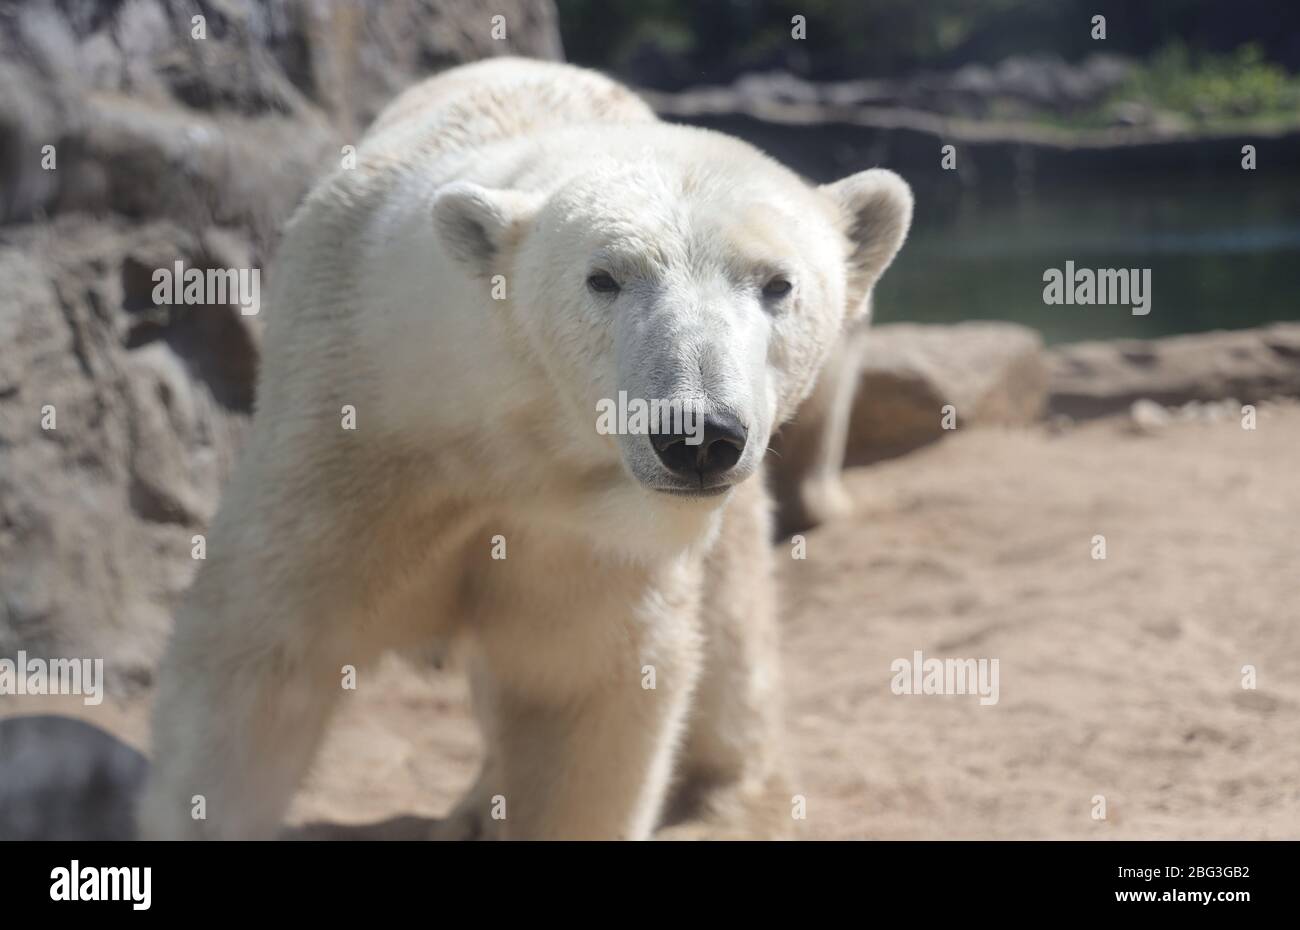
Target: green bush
(1214, 87)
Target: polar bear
(518, 242)
(810, 450)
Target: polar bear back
(494, 100)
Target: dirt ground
(1119, 677)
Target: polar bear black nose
(719, 450)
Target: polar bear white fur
(517, 241)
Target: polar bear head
(682, 274)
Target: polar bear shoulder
(498, 99)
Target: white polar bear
(518, 242)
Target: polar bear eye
(777, 288)
(602, 283)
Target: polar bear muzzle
(704, 463)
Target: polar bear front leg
(235, 726)
(584, 749)
(595, 768)
(258, 658)
(732, 775)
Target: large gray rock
(148, 120)
(991, 373)
(167, 148)
(149, 406)
(1020, 84)
(1090, 379)
(64, 779)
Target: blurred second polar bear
(520, 245)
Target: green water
(1223, 255)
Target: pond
(1222, 255)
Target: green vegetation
(1198, 64)
(675, 42)
(1180, 89)
(1213, 88)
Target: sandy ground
(1119, 677)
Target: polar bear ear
(476, 224)
(876, 206)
